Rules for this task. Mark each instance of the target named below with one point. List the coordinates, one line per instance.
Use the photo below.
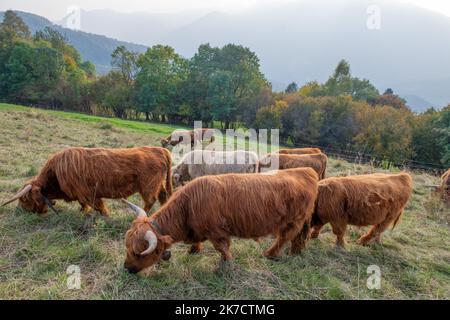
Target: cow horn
(150, 237)
(19, 194)
(139, 211)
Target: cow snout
(132, 270)
(166, 255)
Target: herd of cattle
(217, 200)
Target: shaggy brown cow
(300, 151)
(88, 175)
(373, 199)
(216, 208)
(195, 135)
(316, 161)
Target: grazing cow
(216, 208)
(213, 163)
(178, 136)
(317, 161)
(300, 151)
(374, 199)
(88, 175)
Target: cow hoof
(224, 265)
(363, 241)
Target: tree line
(223, 87)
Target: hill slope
(92, 47)
(35, 252)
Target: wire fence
(377, 161)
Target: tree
(388, 98)
(270, 117)
(125, 62)
(442, 124)
(386, 132)
(161, 73)
(291, 88)
(231, 66)
(13, 27)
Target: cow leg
(288, 233)
(85, 208)
(339, 230)
(162, 196)
(149, 202)
(223, 246)
(374, 233)
(299, 242)
(316, 231)
(99, 205)
(196, 248)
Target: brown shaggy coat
(316, 161)
(217, 208)
(445, 185)
(373, 199)
(300, 151)
(88, 175)
(195, 135)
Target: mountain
(295, 41)
(92, 47)
(303, 41)
(137, 27)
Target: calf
(373, 199)
(216, 208)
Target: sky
(56, 9)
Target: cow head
(31, 199)
(177, 176)
(145, 246)
(164, 143)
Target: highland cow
(179, 136)
(299, 151)
(216, 208)
(89, 175)
(316, 161)
(213, 163)
(373, 199)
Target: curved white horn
(139, 211)
(19, 194)
(150, 237)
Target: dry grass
(36, 251)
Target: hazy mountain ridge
(295, 42)
(304, 41)
(92, 47)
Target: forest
(224, 88)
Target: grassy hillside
(36, 251)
